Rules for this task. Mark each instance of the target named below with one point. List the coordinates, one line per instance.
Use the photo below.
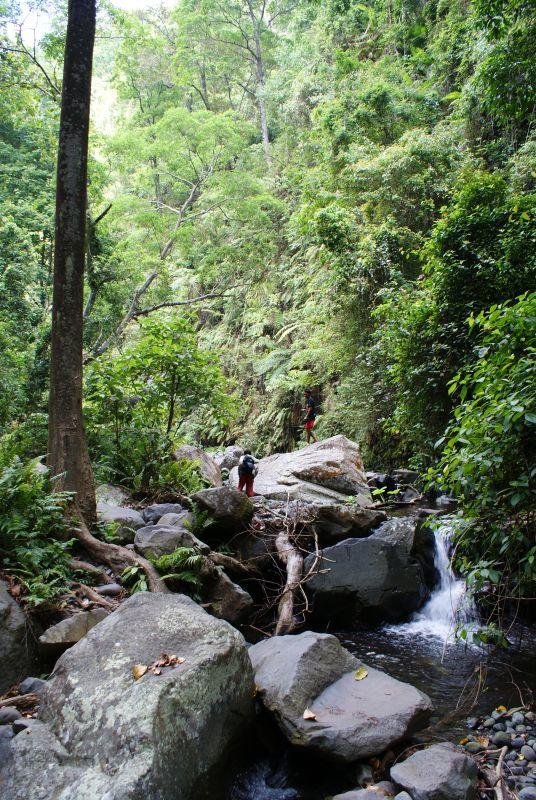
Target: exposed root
(94, 596)
(85, 566)
(233, 564)
(117, 557)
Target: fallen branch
(499, 786)
(293, 561)
(23, 700)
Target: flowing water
(460, 678)
(449, 606)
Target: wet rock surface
(17, 646)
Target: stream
(461, 679)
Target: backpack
(247, 465)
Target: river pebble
(528, 753)
(9, 715)
(501, 739)
(518, 718)
(489, 722)
(499, 726)
(518, 742)
(528, 793)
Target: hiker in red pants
(246, 473)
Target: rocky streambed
(160, 697)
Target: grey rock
(128, 520)
(499, 726)
(386, 787)
(364, 775)
(154, 513)
(474, 747)
(34, 768)
(32, 686)
(324, 472)
(518, 742)
(164, 736)
(16, 641)
(208, 468)
(6, 733)
(530, 716)
(370, 793)
(112, 495)
(489, 722)
(69, 631)
(227, 600)
(9, 715)
(181, 519)
(154, 541)
(440, 772)
(376, 578)
(528, 793)
(521, 728)
(231, 457)
(230, 510)
(405, 476)
(109, 589)
(501, 739)
(354, 719)
(517, 718)
(333, 521)
(472, 723)
(403, 796)
(528, 753)
(26, 723)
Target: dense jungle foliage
(336, 194)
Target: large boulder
(154, 541)
(227, 600)
(208, 468)
(162, 736)
(154, 513)
(69, 631)
(352, 719)
(324, 472)
(112, 495)
(230, 511)
(231, 457)
(126, 520)
(333, 521)
(377, 578)
(440, 772)
(16, 643)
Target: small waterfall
(449, 605)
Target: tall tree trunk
(67, 447)
(261, 84)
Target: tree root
(116, 556)
(233, 564)
(94, 596)
(85, 566)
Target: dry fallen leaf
(138, 670)
(361, 673)
(308, 714)
(483, 740)
(464, 740)
(501, 708)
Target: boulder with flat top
(328, 471)
(327, 701)
(208, 467)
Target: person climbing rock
(246, 473)
(310, 416)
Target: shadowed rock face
(16, 644)
(161, 737)
(69, 631)
(377, 578)
(353, 718)
(325, 472)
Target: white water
(449, 606)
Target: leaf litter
(156, 667)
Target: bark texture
(68, 455)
